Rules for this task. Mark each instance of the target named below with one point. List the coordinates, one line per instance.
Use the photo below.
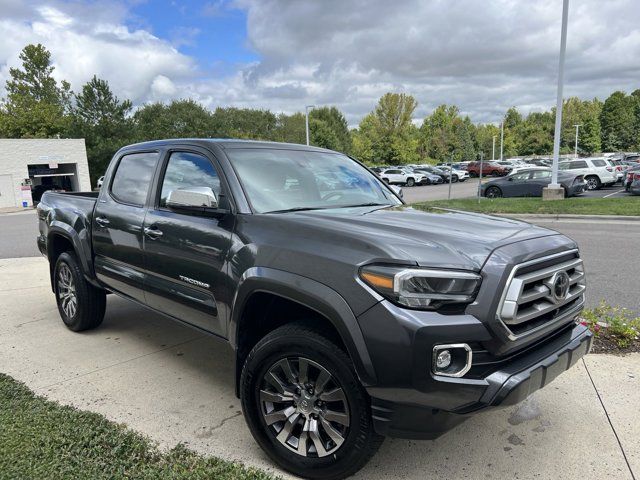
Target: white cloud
(484, 56)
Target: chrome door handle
(103, 222)
(152, 233)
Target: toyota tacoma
(352, 315)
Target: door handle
(103, 222)
(152, 233)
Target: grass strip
(41, 439)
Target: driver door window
(186, 169)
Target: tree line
(36, 106)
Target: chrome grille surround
(529, 302)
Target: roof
(228, 143)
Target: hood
(435, 238)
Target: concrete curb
(554, 216)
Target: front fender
(317, 296)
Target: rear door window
(576, 164)
(133, 176)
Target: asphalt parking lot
(176, 385)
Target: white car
(99, 182)
(519, 168)
(397, 176)
(597, 172)
(458, 175)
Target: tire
(454, 179)
(294, 345)
(593, 183)
(473, 174)
(81, 305)
(495, 173)
(493, 192)
(410, 182)
(385, 180)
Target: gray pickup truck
(352, 315)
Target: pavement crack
(208, 432)
(624, 455)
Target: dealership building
(29, 167)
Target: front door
(186, 253)
(117, 225)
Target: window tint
(577, 164)
(541, 174)
(520, 176)
(599, 163)
(186, 170)
(133, 176)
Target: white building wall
(17, 154)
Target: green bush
(615, 323)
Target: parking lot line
(612, 194)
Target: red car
(488, 168)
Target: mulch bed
(604, 344)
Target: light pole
(306, 120)
(554, 190)
(501, 138)
(493, 148)
(577, 127)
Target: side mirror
(397, 190)
(510, 179)
(193, 199)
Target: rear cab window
(132, 178)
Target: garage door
(7, 194)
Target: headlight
(425, 289)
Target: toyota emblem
(560, 284)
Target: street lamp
(554, 190)
(493, 148)
(306, 119)
(577, 127)
(501, 138)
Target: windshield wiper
(296, 209)
(371, 204)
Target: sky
(482, 55)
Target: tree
(290, 128)
(180, 118)
(387, 134)
(617, 121)
(103, 121)
(35, 105)
(247, 123)
(335, 122)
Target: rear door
(117, 224)
(186, 253)
(539, 180)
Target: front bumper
(512, 382)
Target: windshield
(284, 180)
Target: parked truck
(352, 315)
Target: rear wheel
(495, 173)
(454, 179)
(410, 182)
(473, 174)
(593, 183)
(305, 406)
(493, 192)
(81, 305)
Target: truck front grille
(542, 291)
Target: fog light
(452, 360)
(443, 360)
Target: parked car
(398, 176)
(629, 174)
(99, 182)
(431, 170)
(634, 182)
(458, 175)
(530, 183)
(351, 316)
(488, 168)
(597, 172)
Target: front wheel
(305, 406)
(493, 192)
(410, 182)
(81, 305)
(454, 179)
